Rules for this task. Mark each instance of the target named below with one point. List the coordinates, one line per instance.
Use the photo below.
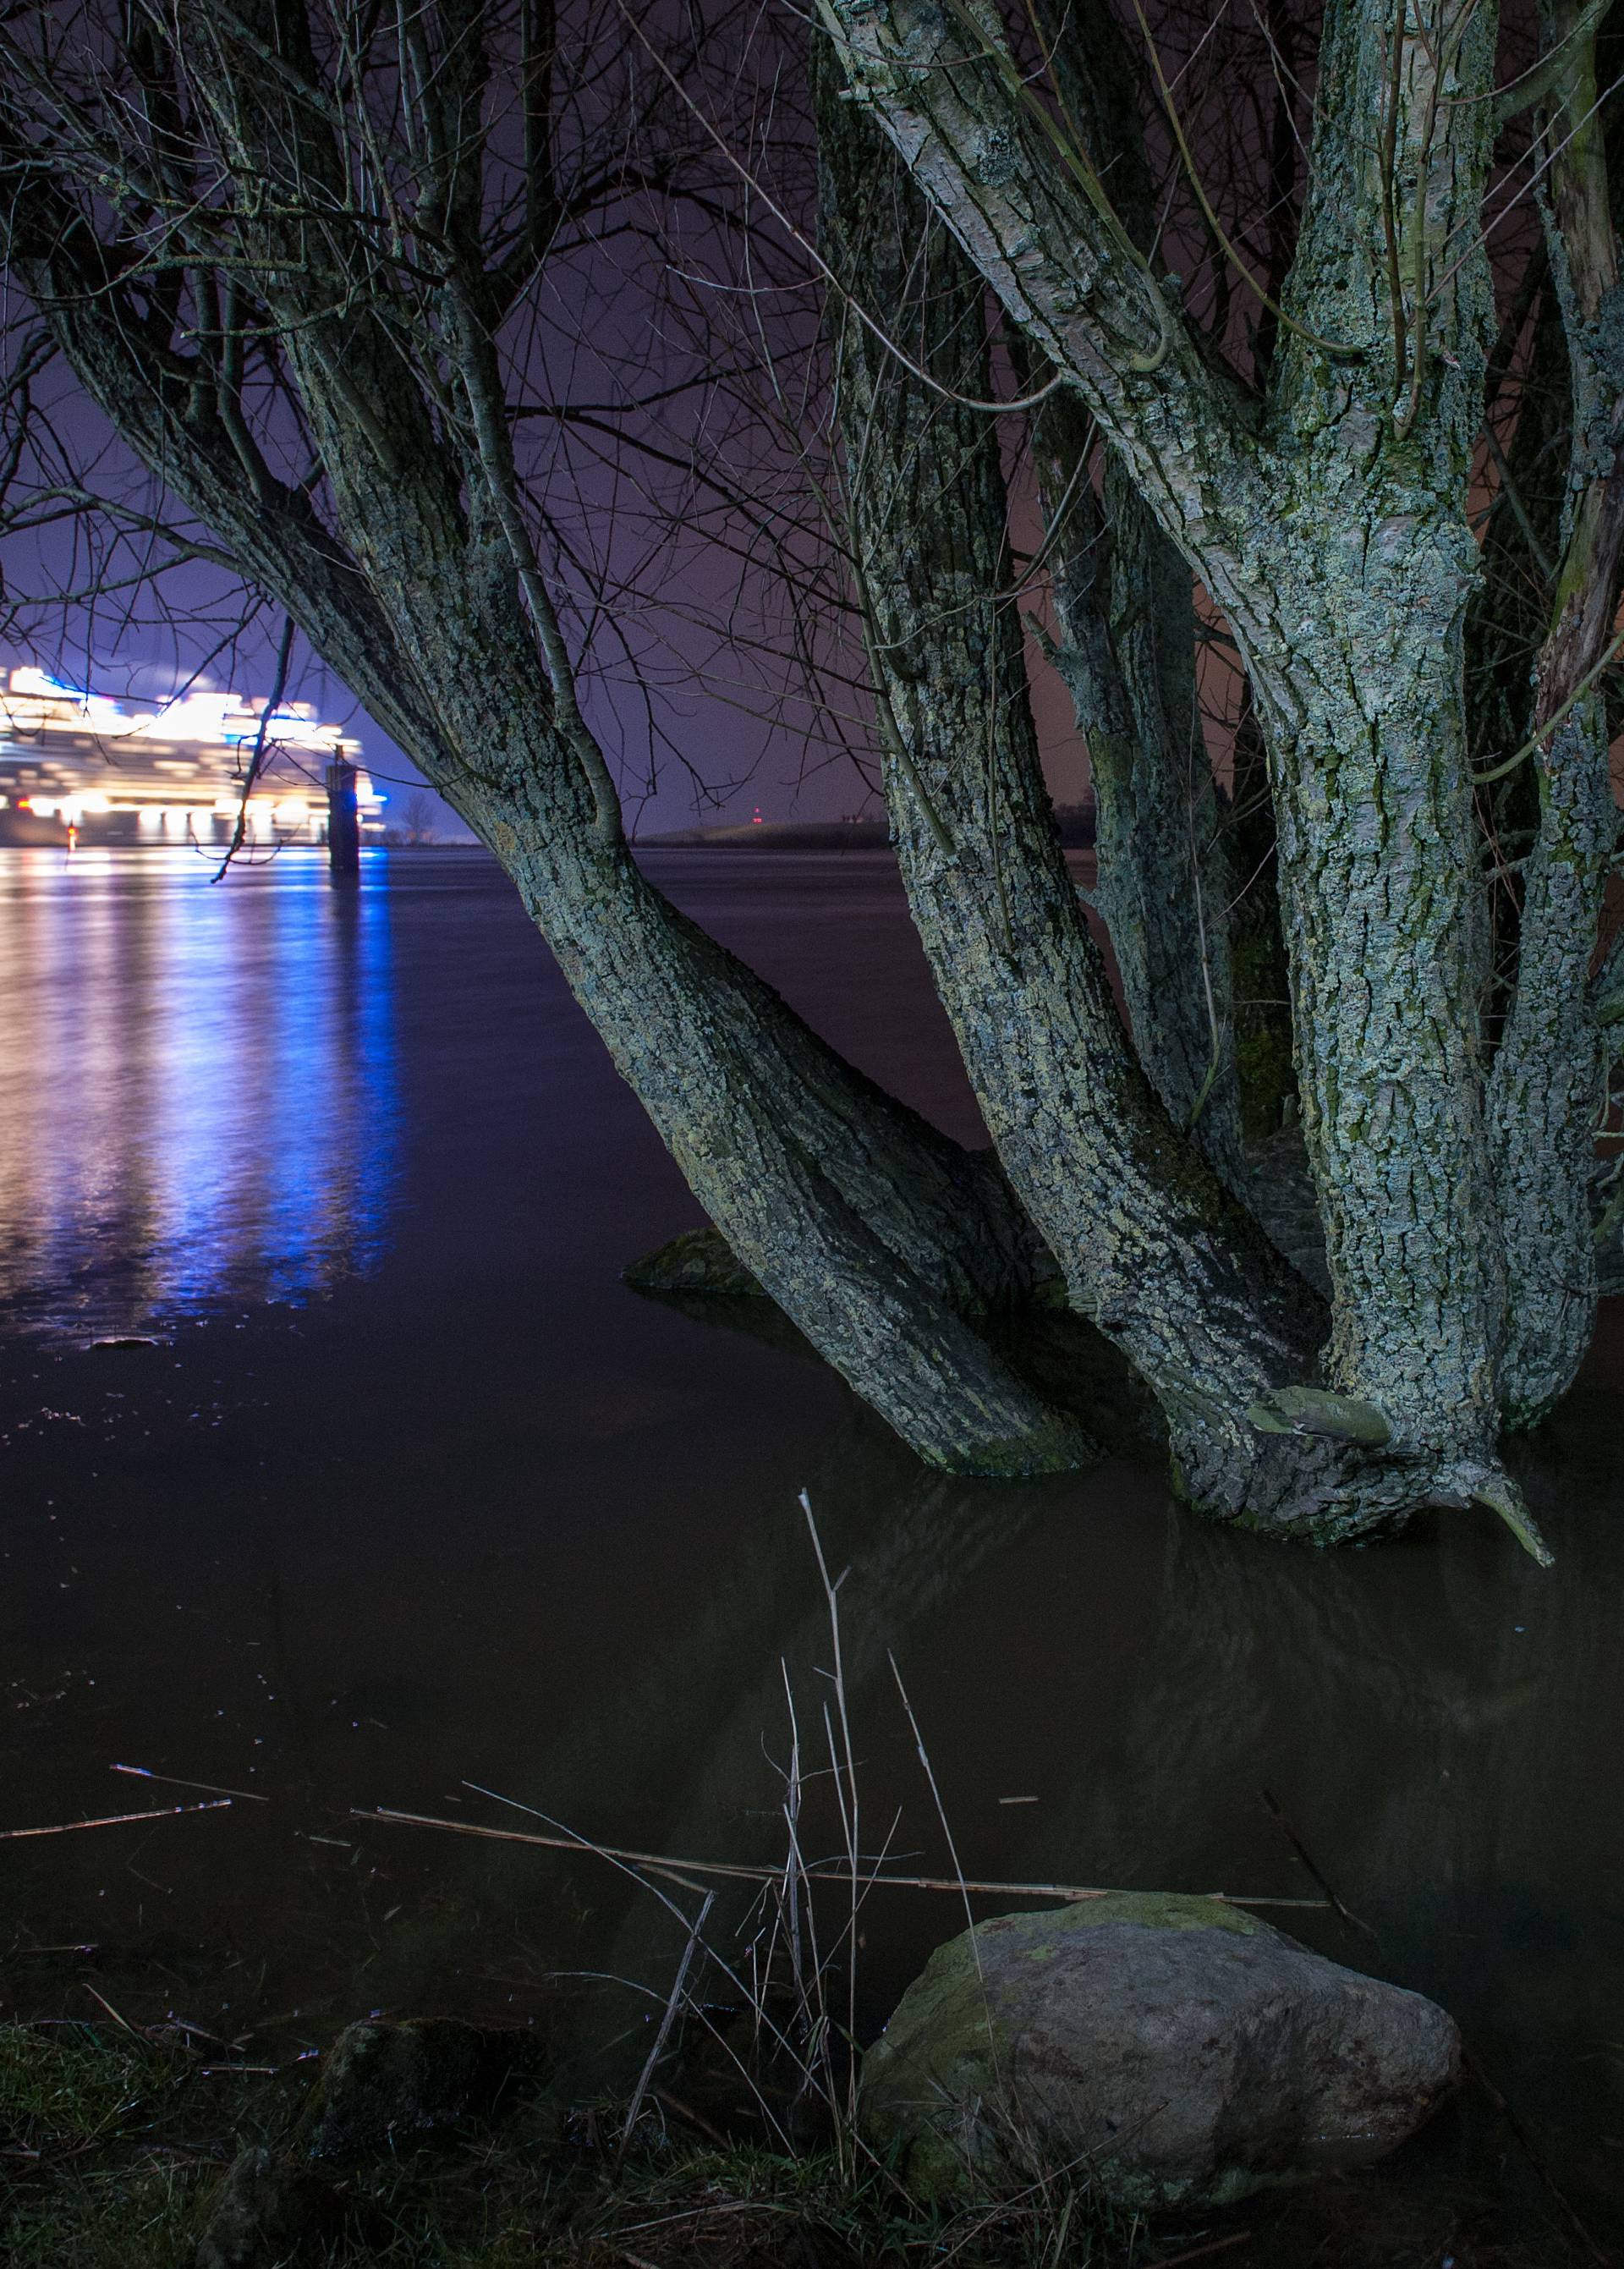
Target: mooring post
(343, 824)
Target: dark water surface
(414, 1493)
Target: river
(410, 1498)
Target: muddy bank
(161, 2148)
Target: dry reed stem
(626, 1865)
(673, 2002)
(844, 1762)
(942, 1815)
(815, 1871)
(134, 2031)
(173, 1780)
(116, 1819)
(1271, 1805)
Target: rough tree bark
(1186, 883)
(1124, 609)
(1328, 521)
(1153, 1248)
(1546, 1093)
(1126, 620)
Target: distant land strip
(1076, 825)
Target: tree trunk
(1328, 523)
(878, 1236)
(871, 1234)
(1126, 619)
(1379, 896)
(1125, 607)
(1154, 1250)
(1547, 1095)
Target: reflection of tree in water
(1060, 1353)
(1455, 1777)
(202, 1102)
(693, 1720)
(700, 1721)
(1452, 1775)
(702, 1725)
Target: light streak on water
(198, 1093)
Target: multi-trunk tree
(290, 248)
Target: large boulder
(1177, 2049)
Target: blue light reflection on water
(198, 1088)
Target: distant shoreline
(1076, 824)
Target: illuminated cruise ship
(77, 767)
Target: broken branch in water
(736, 1871)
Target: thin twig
(1499, 771)
(1338, 350)
(256, 762)
(1271, 1805)
(1535, 2157)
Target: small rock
(1185, 2052)
(381, 2082)
(269, 2214)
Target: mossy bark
(1153, 1248)
(1547, 1097)
(1328, 521)
(1354, 640)
(1125, 610)
(1547, 1090)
